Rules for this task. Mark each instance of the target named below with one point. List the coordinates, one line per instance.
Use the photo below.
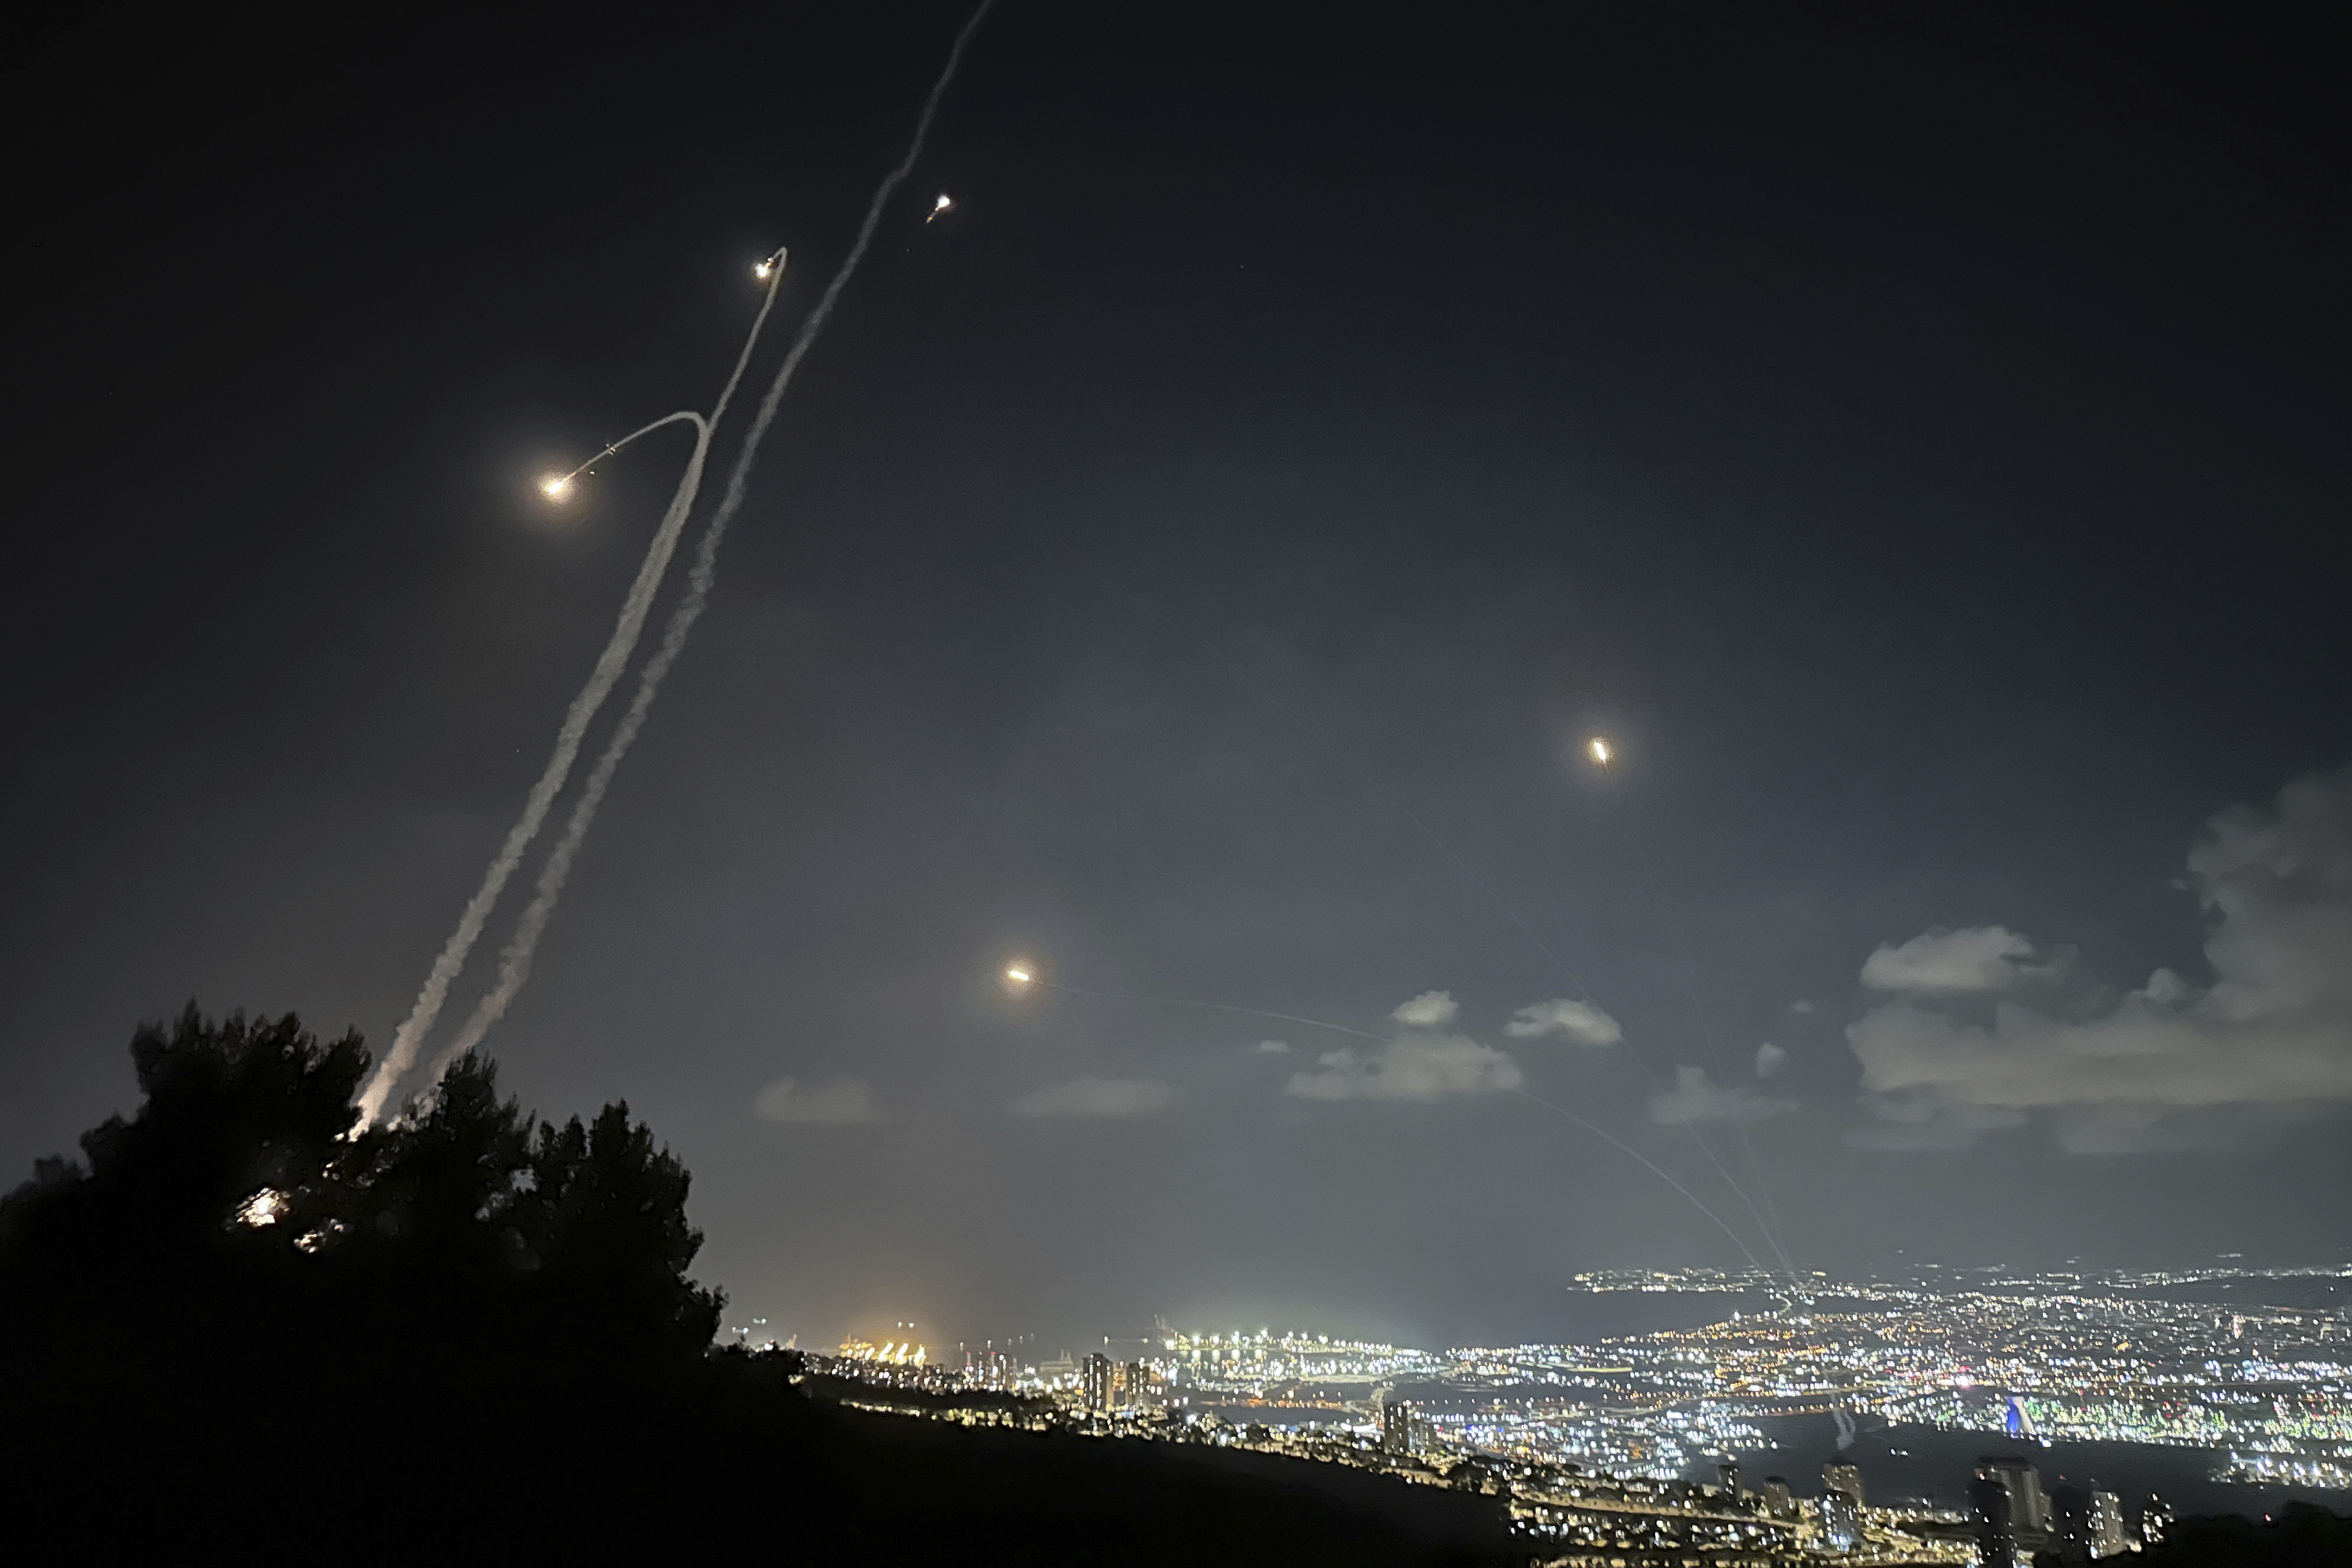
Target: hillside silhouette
(231, 1330)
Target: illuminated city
(1633, 1443)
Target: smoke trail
(410, 1037)
(515, 961)
(609, 664)
(1623, 1147)
(1768, 1231)
(1603, 1133)
(1768, 1220)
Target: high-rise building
(1396, 1423)
(1094, 1380)
(1846, 1479)
(1841, 1520)
(2025, 1521)
(1779, 1501)
(2155, 1521)
(1727, 1476)
(1129, 1385)
(2107, 1537)
(2070, 1512)
(1996, 1523)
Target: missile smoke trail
(1768, 1231)
(1213, 1007)
(1625, 1147)
(410, 1038)
(1602, 1133)
(515, 961)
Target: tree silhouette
(236, 1329)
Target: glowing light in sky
(941, 204)
(763, 270)
(556, 486)
(1017, 975)
(1598, 747)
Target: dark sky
(1193, 564)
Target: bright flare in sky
(1599, 750)
(762, 270)
(556, 486)
(941, 204)
(1017, 975)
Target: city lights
(1597, 1445)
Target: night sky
(1195, 564)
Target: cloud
(1417, 1068)
(1800, 1007)
(1769, 1060)
(832, 1100)
(2171, 1063)
(1431, 1009)
(1272, 1047)
(1097, 1097)
(1696, 1099)
(1579, 1021)
(1973, 959)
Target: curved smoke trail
(515, 961)
(617, 649)
(410, 1038)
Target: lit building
(1841, 1520)
(2155, 1521)
(1846, 1479)
(1996, 1524)
(1094, 1380)
(1129, 1385)
(1396, 1423)
(2089, 1525)
(2107, 1537)
(2020, 1526)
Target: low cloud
(830, 1100)
(1696, 1098)
(1097, 1097)
(1769, 1060)
(1417, 1068)
(2171, 1063)
(1579, 1021)
(1272, 1047)
(1973, 959)
(1431, 1009)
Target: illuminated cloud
(1579, 1021)
(1769, 1060)
(832, 1100)
(1416, 1068)
(1973, 959)
(1097, 1097)
(1431, 1009)
(1695, 1098)
(2171, 1063)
